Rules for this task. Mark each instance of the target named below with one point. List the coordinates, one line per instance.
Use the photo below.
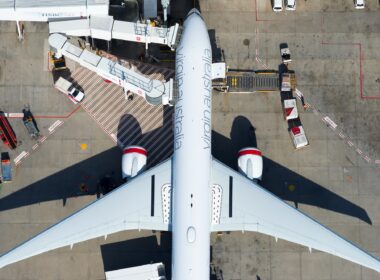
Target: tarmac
(334, 180)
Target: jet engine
(133, 161)
(250, 163)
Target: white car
(290, 5)
(277, 5)
(359, 4)
(76, 95)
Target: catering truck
(66, 87)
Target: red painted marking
(250, 152)
(288, 111)
(361, 74)
(296, 130)
(135, 150)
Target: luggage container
(6, 169)
(297, 133)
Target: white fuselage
(191, 216)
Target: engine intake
(250, 163)
(133, 161)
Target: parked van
(290, 5)
(277, 5)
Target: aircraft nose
(194, 11)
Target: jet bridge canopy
(44, 10)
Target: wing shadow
(277, 178)
(83, 178)
(136, 252)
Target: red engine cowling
(133, 161)
(250, 163)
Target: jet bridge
(154, 91)
(42, 10)
(106, 28)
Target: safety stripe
(135, 150)
(250, 152)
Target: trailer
(30, 123)
(6, 169)
(7, 134)
(290, 109)
(286, 82)
(297, 133)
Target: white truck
(66, 87)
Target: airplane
(191, 194)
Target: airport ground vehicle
(30, 123)
(7, 134)
(359, 4)
(285, 53)
(6, 167)
(277, 5)
(67, 88)
(290, 5)
(297, 133)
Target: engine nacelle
(133, 161)
(250, 163)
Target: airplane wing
(142, 203)
(244, 205)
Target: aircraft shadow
(138, 251)
(158, 142)
(277, 178)
(142, 251)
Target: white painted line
(15, 115)
(20, 156)
(315, 111)
(368, 159)
(377, 161)
(299, 93)
(54, 125)
(113, 136)
(43, 139)
(359, 151)
(35, 147)
(330, 122)
(342, 135)
(350, 143)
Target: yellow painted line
(83, 146)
